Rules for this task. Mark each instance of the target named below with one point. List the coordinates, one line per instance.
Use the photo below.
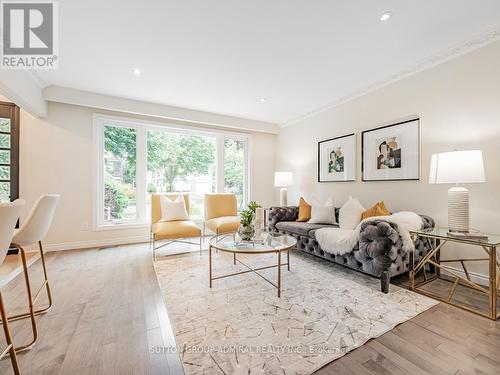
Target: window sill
(117, 226)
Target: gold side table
(436, 239)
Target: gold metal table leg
(279, 273)
(210, 265)
(493, 283)
(411, 274)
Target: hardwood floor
(108, 313)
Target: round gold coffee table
(271, 243)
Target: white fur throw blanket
(341, 241)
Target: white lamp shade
(457, 167)
(283, 179)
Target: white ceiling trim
(453, 52)
(19, 87)
(35, 76)
(113, 103)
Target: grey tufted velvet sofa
(378, 253)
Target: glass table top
(271, 242)
(443, 233)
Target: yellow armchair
(172, 231)
(221, 213)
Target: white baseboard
(94, 243)
(478, 278)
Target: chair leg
(30, 302)
(45, 284)
(46, 279)
(8, 338)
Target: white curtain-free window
(135, 159)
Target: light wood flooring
(108, 312)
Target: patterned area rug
(240, 326)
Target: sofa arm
(379, 247)
(428, 222)
(378, 242)
(277, 214)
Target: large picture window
(136, 159)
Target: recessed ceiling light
(137, 71)
(262, 100)
(385, 17)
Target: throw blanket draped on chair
(342, 241)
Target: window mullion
(141, 172)
(220, 164)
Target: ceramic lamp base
(283, 197)
(458, 210)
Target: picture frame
(337, 159)
(391, 152)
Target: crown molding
(33, 74)
(457, 50)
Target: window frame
(11, 111)
(142, 127)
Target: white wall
(56, 157)
(459, 106)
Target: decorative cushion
(175, 229)
(173, 210)
(378, 209)
(350, 214)
(322, 215)
(224, 224)
(304, 210)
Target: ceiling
(225, 56)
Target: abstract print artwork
(336, 162)
(337, 159)
(388, 153)
(391, 152)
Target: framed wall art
(391, 152)
(337, 159)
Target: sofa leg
(385, 281)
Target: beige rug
(241, 327)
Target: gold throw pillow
(304, 210)
(378, 209)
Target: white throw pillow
(173, 210)
(350, 214)
(322, 215)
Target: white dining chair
(9, 214)
(31, 232)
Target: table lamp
(283, 180)
(457, 167)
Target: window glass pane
(119, 174)
(4, 173)
(5, 140)
(4, 157)
(4, 191)
(181, 163)
(4, 124)
(234, 170)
